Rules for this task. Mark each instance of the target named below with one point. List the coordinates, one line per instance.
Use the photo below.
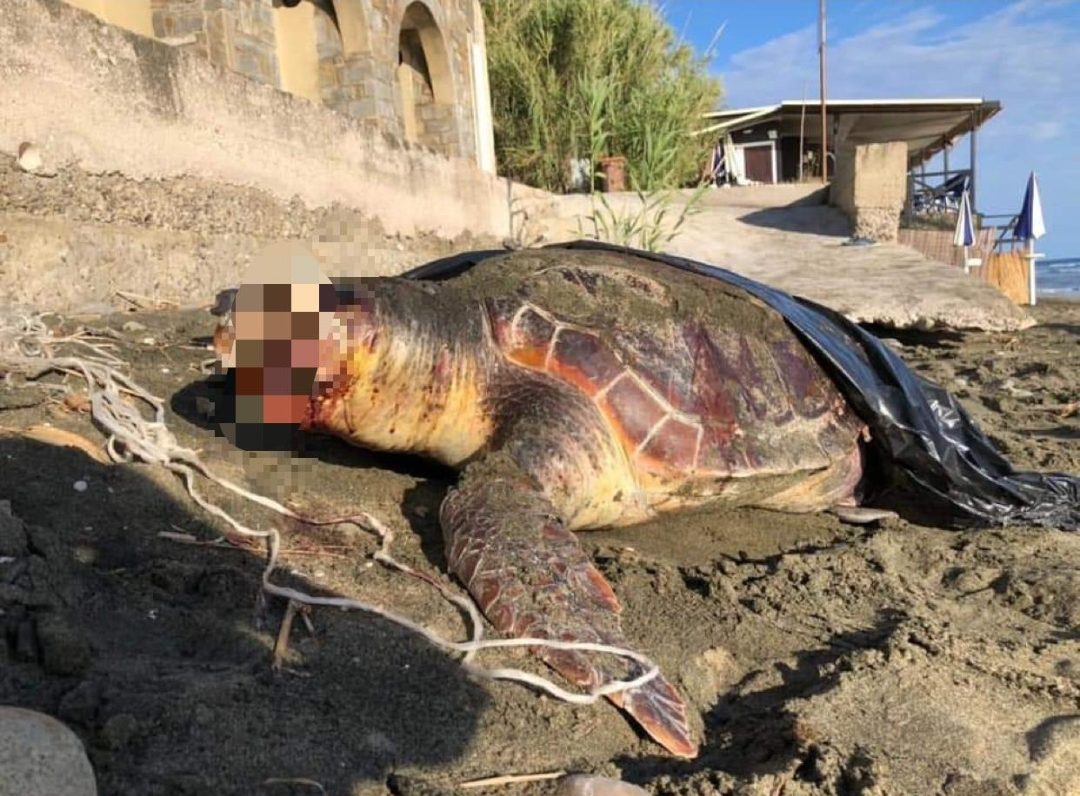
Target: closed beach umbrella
(965, 228)
(965, 225)
(1030, 227)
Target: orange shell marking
(650, 430)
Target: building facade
(414, 69)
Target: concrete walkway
(799, 248)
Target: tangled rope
(28, 348)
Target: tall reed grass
(585, 79)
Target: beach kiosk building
(782, 142)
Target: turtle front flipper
(530, 577)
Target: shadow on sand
(1068, 328)
(754, 734)
(432, 479)
(802, 219)
(156, 654)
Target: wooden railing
(926, 195)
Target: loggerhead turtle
(576, 390)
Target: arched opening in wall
(425, 83)
(352, 23)
(325, 54)
(329, 52)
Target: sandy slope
(821, 659)
(775, 237)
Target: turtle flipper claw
(530, 577)
(661, 712)
(655, 705)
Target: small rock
(119, 730)
(80, 486)
(133, 326)
(30, 159)
(39, 756)
(64, 649)
(584, 785)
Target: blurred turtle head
(277, 335)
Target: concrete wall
(869, 185)
(113, 102)
(345, 54)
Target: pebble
(39, 756)
(133, 326)
(30, 159)
(81, 486)
(584, 785)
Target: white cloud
(1026, 54)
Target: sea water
(1058, 280)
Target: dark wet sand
(820, 658)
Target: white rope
(26, 347)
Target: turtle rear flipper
(531, 579)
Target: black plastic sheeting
(930, 459)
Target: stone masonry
(869, 185)
(349, 53)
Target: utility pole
(824, 122)
(802, 130)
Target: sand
(774, 236)
(820, 658)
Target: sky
(1024, 53)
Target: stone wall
(113, 102)
(178, 20)
(342, 53)
(869, 185)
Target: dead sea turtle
(574, 390)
